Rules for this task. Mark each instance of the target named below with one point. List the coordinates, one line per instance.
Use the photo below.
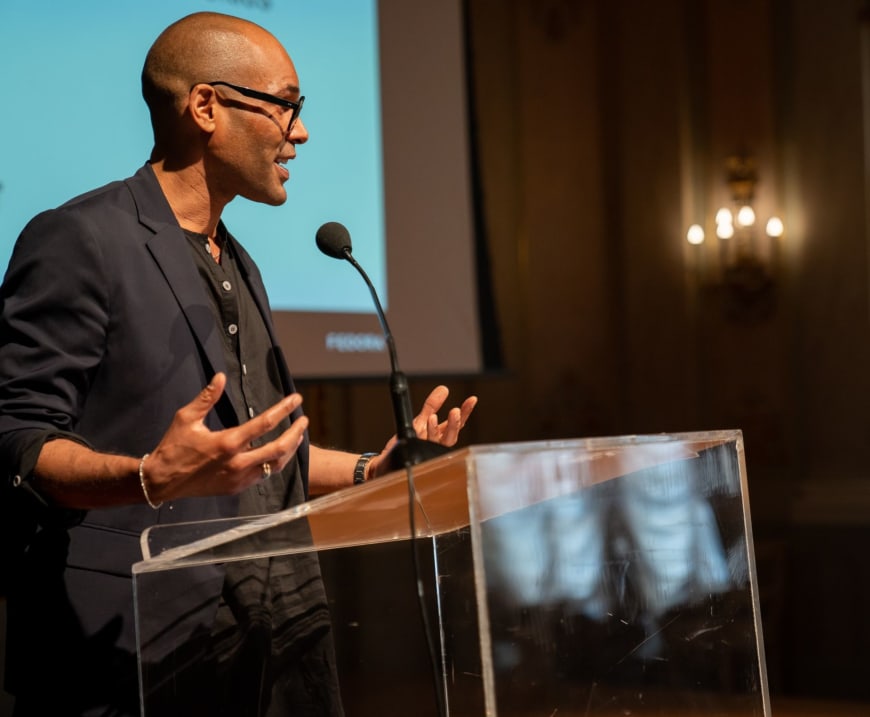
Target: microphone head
(333, 239)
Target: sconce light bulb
(725, 230)
(695, 235)
(746, 216)
(775, 227)
(723, 216)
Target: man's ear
(202, 106)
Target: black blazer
(106, 331)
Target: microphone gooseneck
(333, 239)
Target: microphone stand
(410, 449)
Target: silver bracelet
(142, 483)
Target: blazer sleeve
(53, 326)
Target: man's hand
(192, 460)
(429, 428)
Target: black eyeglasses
(294, 107)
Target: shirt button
(232, 329)
(250, 411)
(227, 286)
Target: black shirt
(253, 378)
(272, 607)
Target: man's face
(251, 145)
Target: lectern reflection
(634, 584)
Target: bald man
(141, 382)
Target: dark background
(602, 130)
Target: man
(140, 382)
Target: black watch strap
(359, 470)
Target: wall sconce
(743, 260)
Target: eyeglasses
(294, 107)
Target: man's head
(221, 92)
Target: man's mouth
(282, 170)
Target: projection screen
(387, 156)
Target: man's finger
(450, 427)
(267, 420)
(279, 451)
(205, 400)
(434, 401)
(433, 432)
(465, 411)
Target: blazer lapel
(170, 250)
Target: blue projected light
(74, 119)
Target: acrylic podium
(594, 577)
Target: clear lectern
(594, 577)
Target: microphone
(333, 239)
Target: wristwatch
(359, 470)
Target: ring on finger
(267, 470)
